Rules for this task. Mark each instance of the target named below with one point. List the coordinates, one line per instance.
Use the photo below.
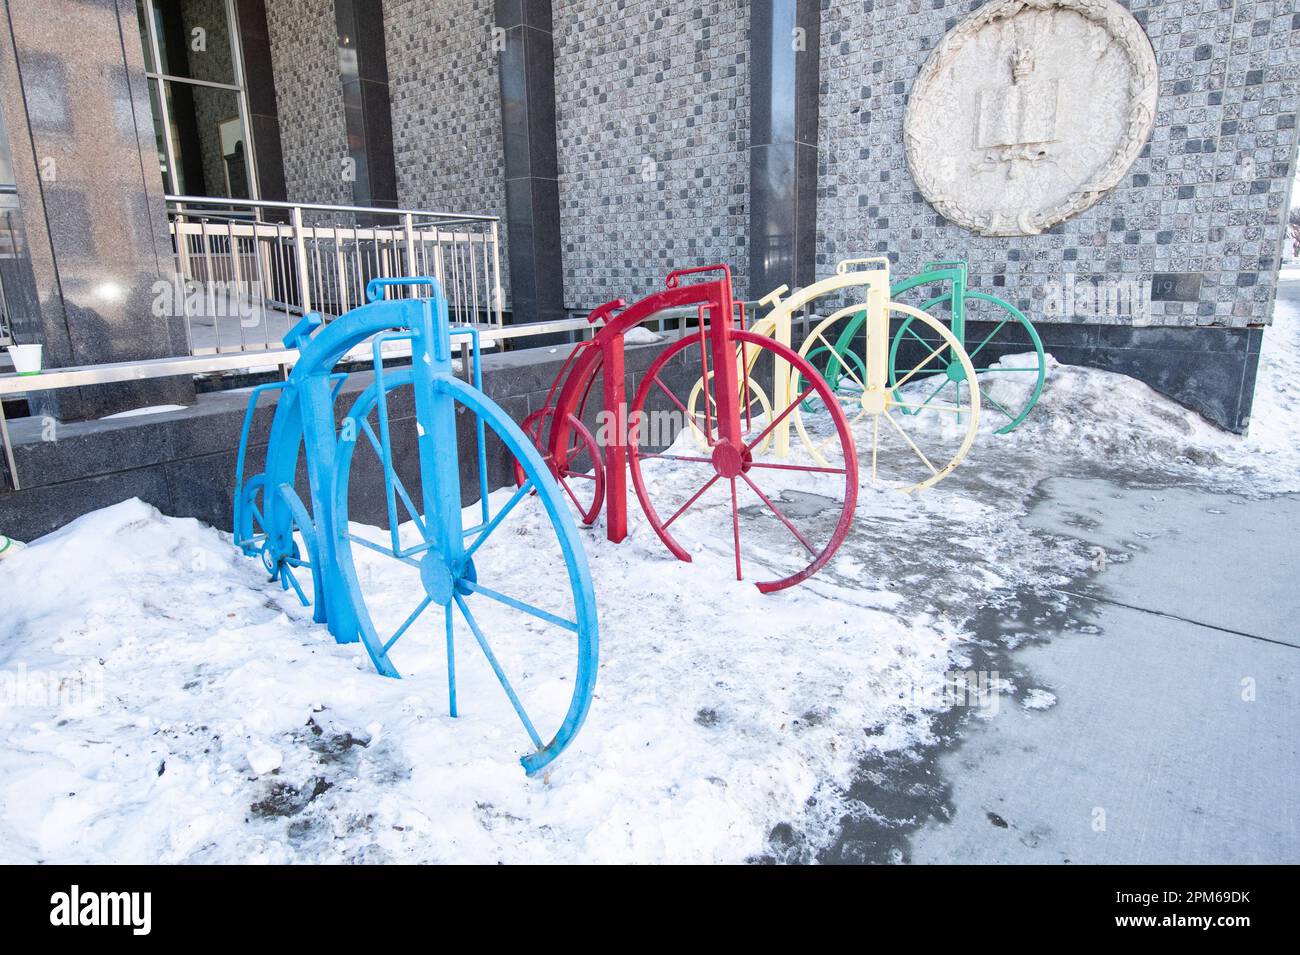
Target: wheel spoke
(840, 360)
(524, 490)
(911, 331)
(397, 481)
(676, 457)
(928, 358)
(496, 668)
(913, 409)
(572, 497)
(407, 624)
(935, 394)
(997, 328)
(527, 608)
(451, 661)
(287, 575)
(996, 404)
(875, 445)
(694, 497)
(380, 549)
(779, 418)
(795, 467)
(677, 401)
(912, 443)
(735, 528)
(780, 516)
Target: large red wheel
(793, 513)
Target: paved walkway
(1173, 736)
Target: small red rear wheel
(577, 466)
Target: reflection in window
(200, 114)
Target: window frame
(158, 81)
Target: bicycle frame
(935, 273)
(875, 281)
(714, 299)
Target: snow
(1038, 699)
(161, 702)
(264, 759)
(640, 335)
(137, 412)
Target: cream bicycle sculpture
(908, 452)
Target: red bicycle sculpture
(796, 525)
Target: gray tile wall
(1208, 195)
(442, 68)
(309, 97)
(652, 126)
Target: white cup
(26, 358)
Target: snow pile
(213, 722)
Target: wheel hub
(875, 401)
(730, 461)
(955, 371)
(437, 578)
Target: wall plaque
(1029, 111)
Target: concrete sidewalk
(1173, 734)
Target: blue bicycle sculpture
(308, 543)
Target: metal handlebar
(374, 288)
(600, 311)
(298, 335)
(675, 275)
(842, 267)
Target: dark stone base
(1210, 370)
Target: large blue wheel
(520, 586)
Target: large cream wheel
(862, 397)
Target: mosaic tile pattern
(309, 97)
(1208, 194)
(443, 82)
(652, 128)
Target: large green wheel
(1009, 389)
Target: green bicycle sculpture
(1011, 342)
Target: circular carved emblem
(1029, 111)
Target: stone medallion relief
(1029, 111)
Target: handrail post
(9, 449)
(300, 248)
(408, 221)
(496, 269)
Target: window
(200, 111)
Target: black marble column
(96, 244)
(532, 171)
(363, 70)
(263, 111)
(784, 77)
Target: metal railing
(248, 269)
